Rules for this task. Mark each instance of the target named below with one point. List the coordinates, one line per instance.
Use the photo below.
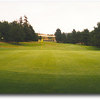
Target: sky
(47, 15)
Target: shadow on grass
(52, 46)
(14, 43)
(26, 43)
(25, 83)
(93, 48)
(89, 47)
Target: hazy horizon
(47, 15)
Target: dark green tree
(85, 36)
(95, 36)
(17, 31)
(4, 30)
(64, 38)
(30, 34)
(58, 35)
(74, 37)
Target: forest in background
(22, 31)
(80, 37)
(17, 31)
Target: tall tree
(95, 36)
(85, 36)
(20, 20)
(63, 37)
(58, 35)
(4, 30)
(17, 31)
(74, 36)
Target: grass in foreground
(49, 68)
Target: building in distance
(47, 37)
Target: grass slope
(49, 68)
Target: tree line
(84, 37)
(17, 31)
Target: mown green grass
(49, 68)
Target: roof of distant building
(46, 35)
